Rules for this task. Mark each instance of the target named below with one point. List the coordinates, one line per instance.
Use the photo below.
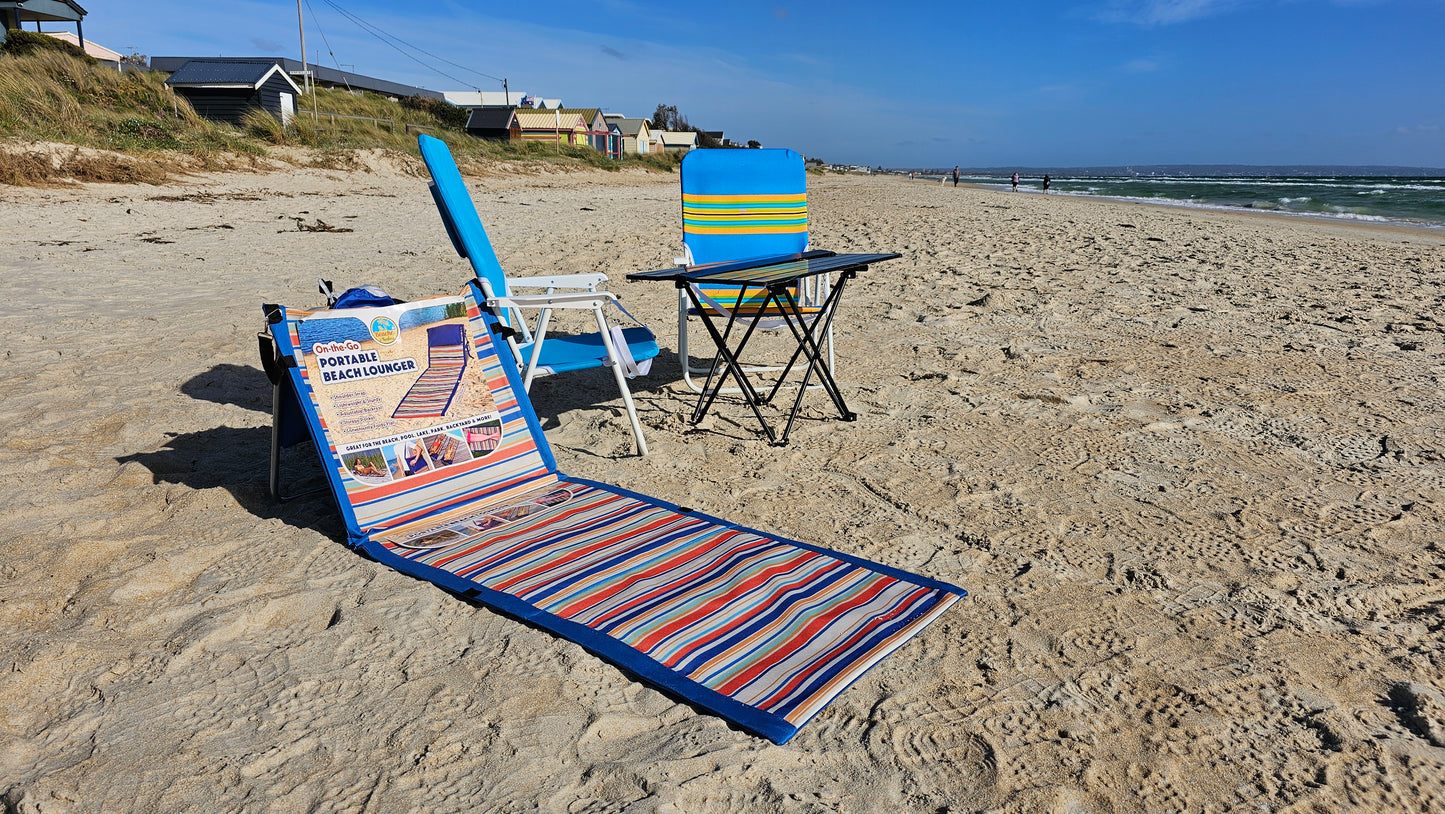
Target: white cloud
(1162, 12)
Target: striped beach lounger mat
(760, 630)
(432, 393)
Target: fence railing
(391, 124)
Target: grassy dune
(129, 127)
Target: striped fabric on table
(432, 393)
(768, 623)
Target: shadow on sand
(208, 459)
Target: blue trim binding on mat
(773, 727)
(764, 724)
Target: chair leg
(612, 362)
(273, 482)
(687, 369)
(530, 372)
(831, 365)
(273, 479)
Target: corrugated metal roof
(484, 98)
(322, 75)
(94, 49)
(547, 120)
(587, 113)
(676, 138)
(196, 71)
(631, 127)
(205, 72)
(490, 118)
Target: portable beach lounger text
(463, 492)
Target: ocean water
(314, 331)
(1409, 200)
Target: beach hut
(227, 91)
(636, 134)
(319, 75)
(615, 134)
(494, 123)
(599, 135)
(551, 127)
(674, 142)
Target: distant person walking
(955, 175)
(1015, 180)
(1046, 183)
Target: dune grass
(315, 128)
(148, 133)
(53, 96)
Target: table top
(765, 270)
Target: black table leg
(805, 341)
(717, 359)
(804, 334)
(731, 365)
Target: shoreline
(1370, 220)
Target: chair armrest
(580, 299)
(586, 281)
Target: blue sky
(905, 84)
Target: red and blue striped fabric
(432, 393)
(770, 624)
(760, 630)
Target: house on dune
(227, 91)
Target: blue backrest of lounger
(353, 366)
(459, 214)
(738, 204)
(445, 335)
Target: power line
(317, 21)
(365, 26)
(387, 39)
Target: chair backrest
(352, 367)
(459, 214)
(738, 204)
(743, 203)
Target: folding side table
(777, 276)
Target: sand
(1190, 466)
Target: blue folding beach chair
(760, 630)
(536, 351)
(737, 205)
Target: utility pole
(506, 94)
(305, 74)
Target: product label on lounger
(347, 362)
(472, 527)
(399, 390)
